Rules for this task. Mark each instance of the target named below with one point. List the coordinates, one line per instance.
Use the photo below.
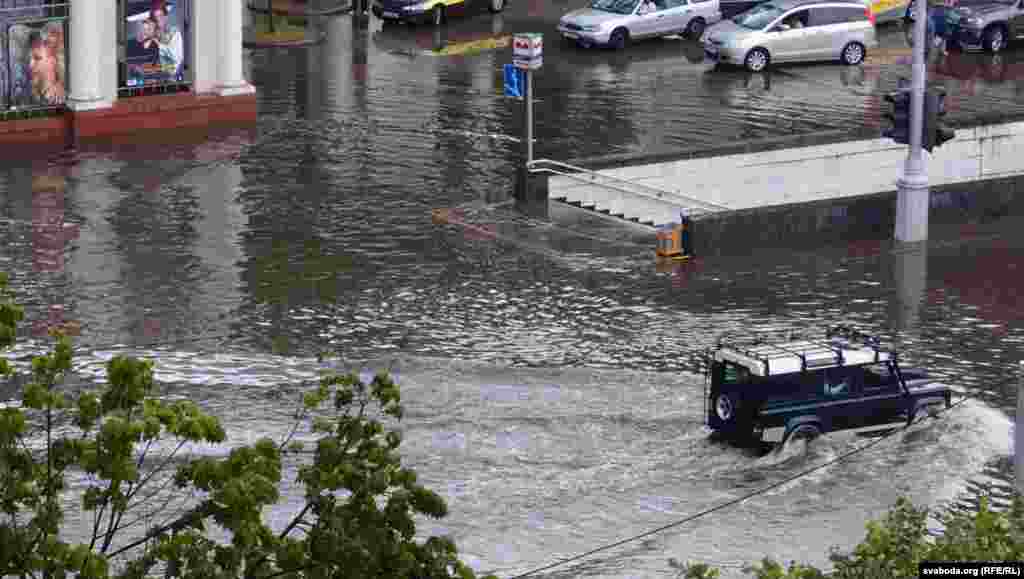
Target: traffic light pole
(912, 203)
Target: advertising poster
(36, 64)
(155, 33)
(12, 11)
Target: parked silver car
(793, 30)
(615, 22)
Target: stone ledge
(768, 144)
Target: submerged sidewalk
(783, 171)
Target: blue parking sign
(513, 81)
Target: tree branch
(200, 511)
(115, 519)
(148, 515)
(158, 490)
(131, 494)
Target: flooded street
(547, 364)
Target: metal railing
(591, 177)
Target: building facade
(79, 69)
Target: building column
(92, 44)
(231, 81)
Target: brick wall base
(178, 110)
(129, 116)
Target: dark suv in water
(768, 393)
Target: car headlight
(973, 22)
(591, 28)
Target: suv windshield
(758, 17)
(616, 6)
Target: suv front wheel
(756, 60)
(994, 39)
(853, 54)
(806, 432)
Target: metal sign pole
(527, 53)
(529, 117)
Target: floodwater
(547, 364)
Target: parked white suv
(794, 30)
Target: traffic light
(899, 116)
(935, 130)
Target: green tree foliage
(894, 546)
(356, 520)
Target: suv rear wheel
(726, 407)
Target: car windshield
(758, 17)
(616, 6)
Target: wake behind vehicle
(768, 393)
(433, 11)
(615, 23)
(791, 31)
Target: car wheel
(695, 28)
(726, 408)
(618, 39)
(437, 15)
(853, 54)
(994, 39)
(804, 431)
(756, 60)
(497, 6)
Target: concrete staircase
(628, 200)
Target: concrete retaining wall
(797, 175)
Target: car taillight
(870, 14)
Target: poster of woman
(35, 52)
(155, 32)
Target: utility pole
(913, 201)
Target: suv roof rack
(843, 345)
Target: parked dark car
(433, 11)
(987, 25)
(768, 393)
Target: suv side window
(879, 379)
(826, 15)
(838, 382)
(796, 20)
(853, 14)
(676, 3)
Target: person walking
(937, 20)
